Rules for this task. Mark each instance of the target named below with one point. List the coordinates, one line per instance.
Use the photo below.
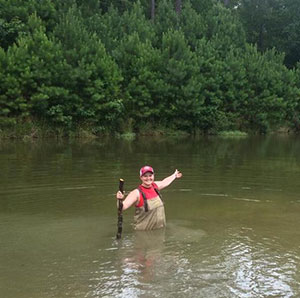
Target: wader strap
(145, 200)
(158, 193)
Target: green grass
(232, 134)
(128, 135)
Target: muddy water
(233, 224)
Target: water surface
(233, 225)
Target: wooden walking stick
(120, 209)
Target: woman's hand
(177, 174)
(120, 196)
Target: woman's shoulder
(134, 192)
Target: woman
(150, 212)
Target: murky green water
(233, 219)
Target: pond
(233, 224)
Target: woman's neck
(146, 186)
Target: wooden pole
(120, 209)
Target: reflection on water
(232, 221)
(240, 266)
(258, 267)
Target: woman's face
(147, 179)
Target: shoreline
(31, 131)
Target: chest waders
(151, 215)
(145, 198)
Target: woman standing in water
(150, 211)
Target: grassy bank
(32, 130)
(28, 130)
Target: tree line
(118, 66)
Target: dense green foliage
(110, 66)
(273, 23)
